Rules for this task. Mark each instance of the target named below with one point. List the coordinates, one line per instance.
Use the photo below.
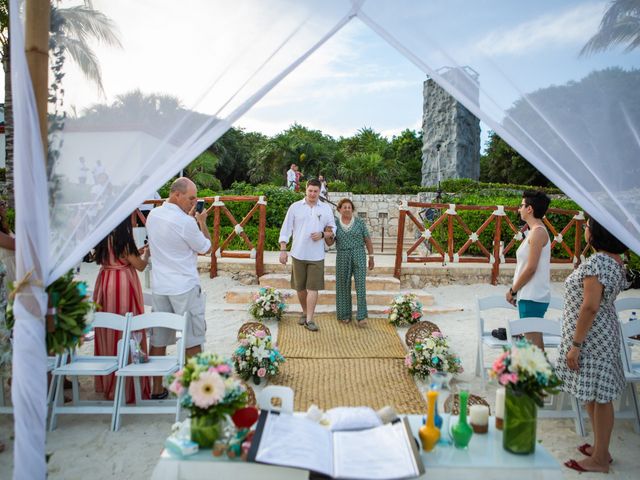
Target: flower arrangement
(206, 387)
(432, 355)
(70, 313)
(525, 369)
(268, 303)
(257, 357)
(404, 309)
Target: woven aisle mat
(373, 382)
(338, 340)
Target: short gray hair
(180, 185)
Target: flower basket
(268, 303)
(405, 309)
(257, 357)
(432, 355)
(524, 370)
(206, 387)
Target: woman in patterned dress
(118, 290)
(589, 362)
(351, 237)
(6, 350)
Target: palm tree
(620, 25)
(70, 28)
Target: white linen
(301, 221)
(291, 178)
(174, 242)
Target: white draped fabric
(187, 71)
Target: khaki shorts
(307, 275)
(191, 302)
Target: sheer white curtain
(188, 70)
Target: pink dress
(117, 290)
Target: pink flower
(432, 370)
(437, 334)
(262, 372)
(244, 342)
(407, 361)
(498, 366)
(207, 390)
(260, 334)
(179, 373)
(508, 378)
(176, 387)
(416, 315)
(387, 311)
(224, 368)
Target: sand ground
(84, 447)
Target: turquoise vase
(520, 415)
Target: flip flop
(362, 323)
(583, 450)
(572, 464)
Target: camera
(199, 206)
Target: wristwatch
(513, 294)
(577, 344)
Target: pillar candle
(500, 394)
(479, 414)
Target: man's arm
(285, 234)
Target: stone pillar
(450, 128)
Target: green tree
(202, 171)
(71, 30)
(365, 171)
(502, 164)
(620, 25)
(405, 152)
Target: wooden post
(577, 249)
(399, 244)
(262, 225)
(37, 52)
(450, 236)
(215, 241)
(497, 237)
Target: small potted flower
(207, 388)
(257, 357)
(405, 309)
(432, 355)
(268, 303)
(525, 372)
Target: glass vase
(461, 432)
(429, 433)
(520, 414)
(206, 429)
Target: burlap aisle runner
(338, 340)
(343, 365)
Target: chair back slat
(534, 324)
(109, 320)
(158, 319)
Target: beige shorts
(191, 302)
(307, 275)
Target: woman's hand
(573, 356)
(371, 262)
(510, 298)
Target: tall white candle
(500, 393)
(479, 415)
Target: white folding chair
(631, 369)
(271, 392)
(87, 365)
(484, 336)
(626, 305)
(155, 367)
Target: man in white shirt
(291, 177)
(175, 240)
(306, 220)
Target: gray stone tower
(450, 129)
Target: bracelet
(371, 254)
(577, 344)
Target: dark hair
(314, 182)
(121, 240)
(538, 201)
(343, 201)
(602, 240)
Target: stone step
(280, 280)
(377, 311)
(244, 295)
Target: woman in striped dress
(118, 290)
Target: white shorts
(191, 302)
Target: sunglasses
(585, 226)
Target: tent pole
(37, 52)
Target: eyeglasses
(585, 226)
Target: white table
(485, 458)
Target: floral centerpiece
(432, 355)
(405, 309)
(257, 357)
(268, 303)
(69, 315)
(525, 372)
(207, 388)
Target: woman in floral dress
(351, 261)
(118, 290)
(589, 362)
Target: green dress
(351, 260)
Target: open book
(386, 452)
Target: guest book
(386, 452)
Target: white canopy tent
(188, 71)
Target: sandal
(311, 326)
(302, 320)
(572, 464)
(362, 323)
(583, 450)
(160, 396)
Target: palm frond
(620, 25)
